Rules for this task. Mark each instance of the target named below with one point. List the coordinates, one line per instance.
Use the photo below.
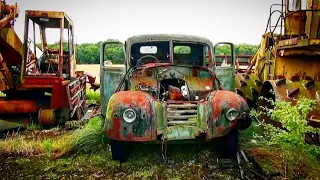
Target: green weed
(287, 150)
(93, 96)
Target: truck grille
(182, 113)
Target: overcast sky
(238, 21)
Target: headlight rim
(129, 121)
(232, 110)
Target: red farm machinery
(39, 83)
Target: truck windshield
(150, 52)
(189, 53)
(184, 53)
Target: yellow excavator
(287, 63)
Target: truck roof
(167, 37)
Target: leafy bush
(298, 157)
(93, 96)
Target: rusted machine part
(74, 124)
(248, 86)
(7, 13)
(47, 117)
(18, 106)
(96, 111)
(92, 81)
(290, 90)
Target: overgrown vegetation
(55, 144)
(85, 153)
(93, 96)
(287, 150)
(90, 137)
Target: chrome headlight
(129, 115)
(232, 114)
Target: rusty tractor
(169, 89)
(39, 84)
(286, 65)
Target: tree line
(89, 53)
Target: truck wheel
(119, 150)
(229, 144)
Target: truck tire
(119, 150)
(229, 145)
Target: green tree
(89, 53)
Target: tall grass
(20, 145)
(86, 139)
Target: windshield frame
(171, 53)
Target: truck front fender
(142, 106)
(219, 103)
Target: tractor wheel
(119, 150)
(229, 144)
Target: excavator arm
(10, 45)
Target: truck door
(224, 68)
(110, 74)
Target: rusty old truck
(170, 88)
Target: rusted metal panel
(74, 95)
(167, 37)
(59, 98)
(218, 103)
(143, 128)
(11, 46)
(226, 77)
(294, 21)
(17, 106)
(248, 86)
(182, 112)
(112, 76)
(312, 19)
(296, 43)
(6, 75)
(39, 82)
(289, 42)
(204, 81)
(202, 115)
(161, 117)
(289, 90)
(301, 66)
(50, 14)
(7, 13)
(182, 132)
(45, 14)
(47, 117)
